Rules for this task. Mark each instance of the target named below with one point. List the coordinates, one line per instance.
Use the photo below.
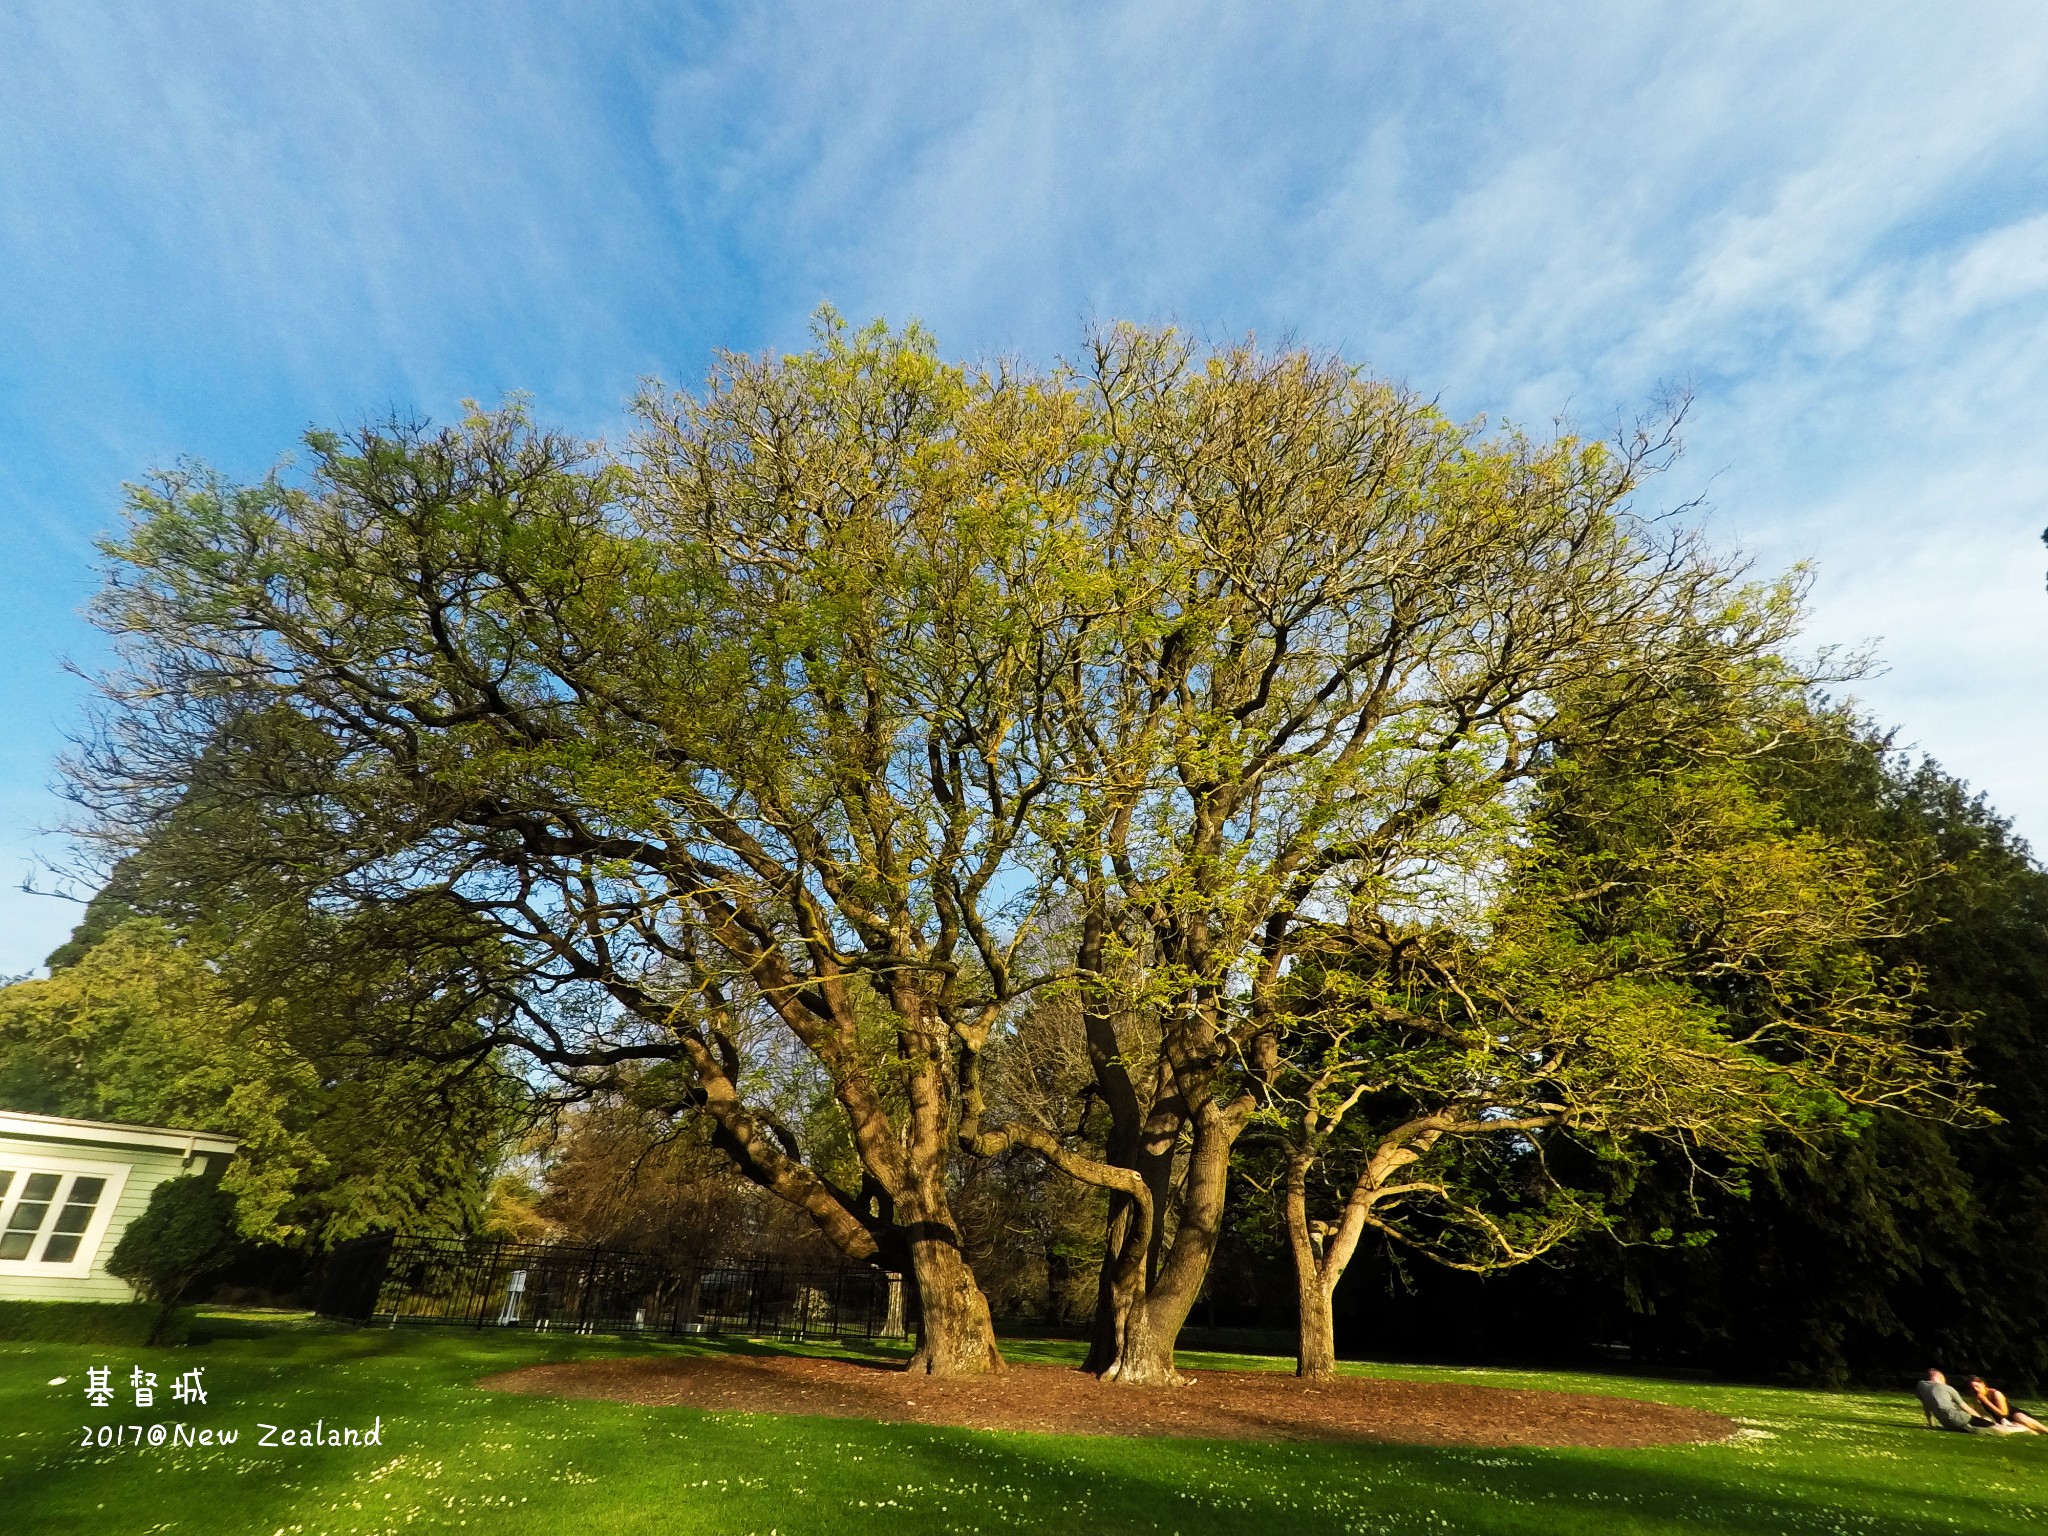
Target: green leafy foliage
(1667, 962)
(185, 1233)
(1910, 1240)
(145, 1028)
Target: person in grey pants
(1946, 1408)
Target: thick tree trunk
(1150, 1325)
(1142, 1136)
(1129, 1262)
(956, 1335)
(1145, 1346)
(1144, 1355)
(1315, 1281)
(1110, 1305)
(1121, 1292)
(1316, 1354)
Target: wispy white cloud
(1832, 219)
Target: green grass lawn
(456, 1458)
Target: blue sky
(222, 224)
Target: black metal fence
(544, 1286)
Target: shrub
(84, 1322)
(186, 1233)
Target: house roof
(108, 1133)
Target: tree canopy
(868, 709)
(340, 1051)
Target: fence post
(692, 1295)
(480, 1278)
(583, 1301)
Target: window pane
(6, 1178)
(38, 1195)
(73, 1219)
(29, 1212)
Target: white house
(69, 1188)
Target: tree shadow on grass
(1391, 1489)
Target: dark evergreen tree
(1897, 1241)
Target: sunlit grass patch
(454, 1457)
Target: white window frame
(80, 1264)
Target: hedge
(84, 1322)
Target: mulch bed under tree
(1222, 1405)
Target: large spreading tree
(726, 746)
(1334, 641)
(869, 706)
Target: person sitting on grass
(1946, 1408)
(1995, 1406)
